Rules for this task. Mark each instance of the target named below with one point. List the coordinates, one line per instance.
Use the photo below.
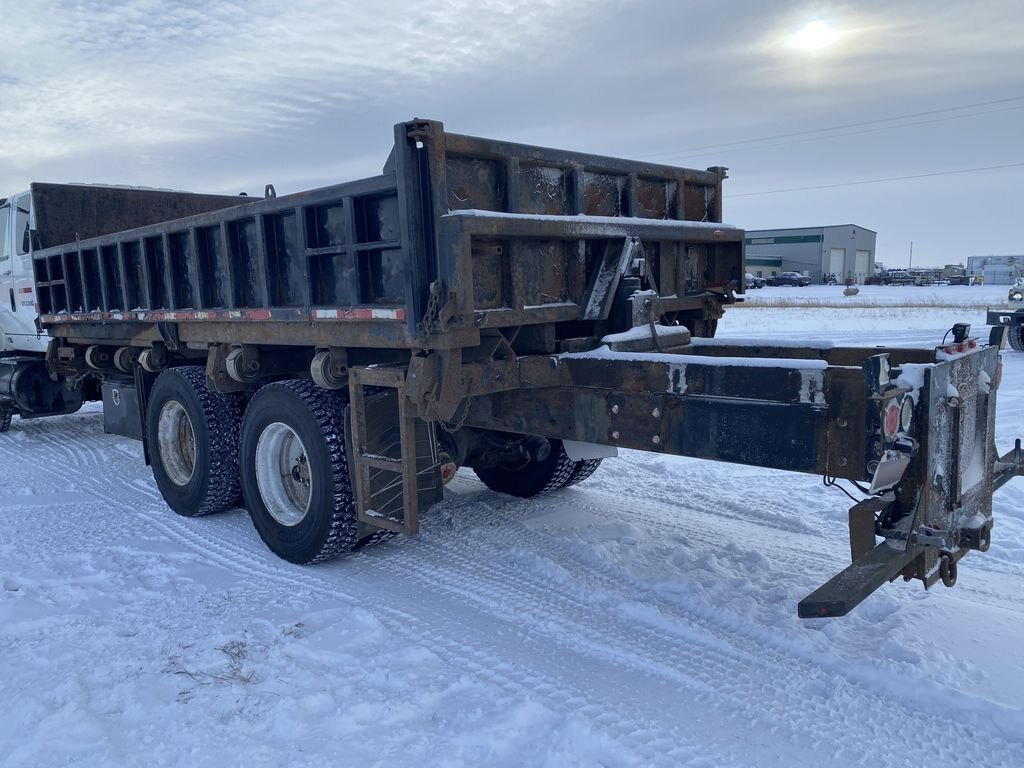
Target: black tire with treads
(532, 478)
(214, 418)
(317, 416)
(6, 416)
(584, 469)
(1015, 338)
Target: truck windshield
(22, 235)
(5, 242)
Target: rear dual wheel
(295, 474)
(286, 457)
(192, 432)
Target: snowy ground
(645, 618)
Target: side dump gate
(330, 254)
(68, 212)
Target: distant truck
(329, 359)
(1012, 318)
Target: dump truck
(329, 359)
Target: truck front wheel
(192, 433)
(295, 474)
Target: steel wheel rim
(177, 443)
(283, 474)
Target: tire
(1015, 338)
(193, 437)
(532, 478)
(1017, 297)
(305, 512)
(582, 471)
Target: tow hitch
(939, 506)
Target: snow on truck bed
(644, 618)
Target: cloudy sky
(219, 96)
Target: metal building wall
(809, 250)
(850, 238)
(798, 249)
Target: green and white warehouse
(845, 250)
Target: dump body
(353, 265)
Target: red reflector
(892, 419)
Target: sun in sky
(814, 36)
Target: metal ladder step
(366, 457)
(380, 462)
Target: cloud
(225, 95)
(93, 74)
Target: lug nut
(656, 413)
(615, 435)
(615, 409)
(656, 440)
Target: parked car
(753, 281)
(1017, 290)
(829, 278)
(789, 278)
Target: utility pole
(911, 262)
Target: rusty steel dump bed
(352, 265)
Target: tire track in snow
(476, 579)
(706, 527)
(231, 555)
(561, 695)
(879, 701)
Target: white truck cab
(17, 296)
